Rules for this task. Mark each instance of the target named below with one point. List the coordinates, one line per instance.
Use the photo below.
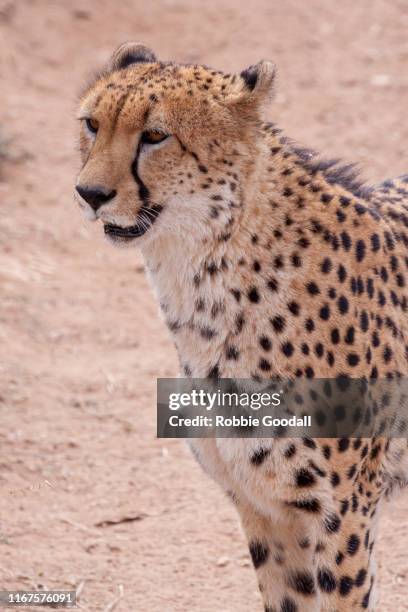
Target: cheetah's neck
(206, 288)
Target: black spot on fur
(339, 558)
(264, 365)
(288, 605)
(237, 294)
(265, 343)
(353, 544)
(287, 349)
(260, 455)
(302, 582)
(332, 523)
(326, 580)
(304, 478)
(343, 444)
(294, 308)
(335, 479)
(253, 295)
(214, 372)
(309, 443)
(343, 304)
(232, 353)
(207, 333)
(345, 586)
(278, 323)
(360, 250)
(290, 451)
(326, 451)
(360, 578)
(312, 288)
(259, 553)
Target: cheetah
(267, 260)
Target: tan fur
(244, 224)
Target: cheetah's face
(163, 146)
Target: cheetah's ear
(256, 83)
(130, 53)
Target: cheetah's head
(165, 147)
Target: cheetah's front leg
(283, 554)
(310, 530)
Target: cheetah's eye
(92, 125)
(153, 137)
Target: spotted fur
(267, 261)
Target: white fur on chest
(192, 304)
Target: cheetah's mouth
(128, 233)
(145, 219)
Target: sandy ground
(87, 493)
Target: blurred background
(89, 498)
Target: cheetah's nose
(95, 197)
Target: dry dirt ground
(80, 339)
